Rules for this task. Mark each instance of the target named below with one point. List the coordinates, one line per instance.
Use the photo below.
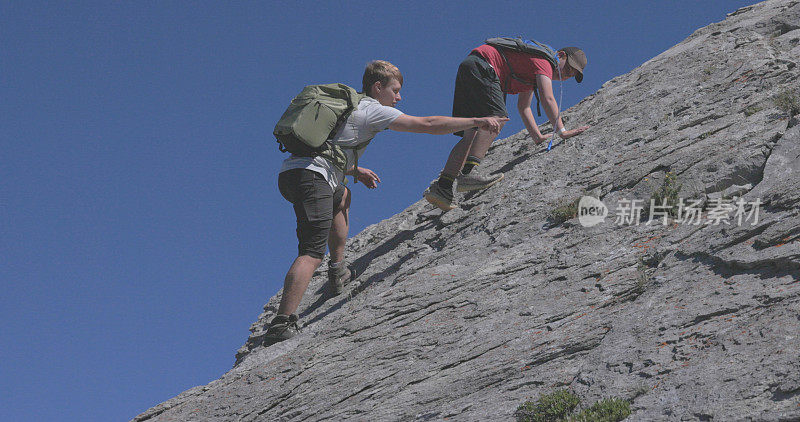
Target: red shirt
(525, 66)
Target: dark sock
(446, 182)
(472, 161)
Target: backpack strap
(338, 150)
(351, 107)
(514, 75)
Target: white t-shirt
(369, 118)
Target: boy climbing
(315, 186)
(482, 82)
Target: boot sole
(459, 188)
(442, 205)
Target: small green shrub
(606, 410)
(788, 101)
(707, 72)
(752, 109)
(565, 211)
(560, 405)
(666, 194)
(555, 406)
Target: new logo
(591, 211)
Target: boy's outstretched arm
(442, 125)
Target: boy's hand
(492, 124)
(367, 177)
(574, 132)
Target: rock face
(467, 314)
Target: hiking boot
(440, 197)
(472, 181)
(282, 327)
(338, 278)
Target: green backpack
(312, 119)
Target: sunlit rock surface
(467, 314)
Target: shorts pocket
(316, 199)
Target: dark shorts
(478, 92)
(314, 206)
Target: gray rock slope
(465, 315)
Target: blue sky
(141, 229)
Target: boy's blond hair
(379, 70)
